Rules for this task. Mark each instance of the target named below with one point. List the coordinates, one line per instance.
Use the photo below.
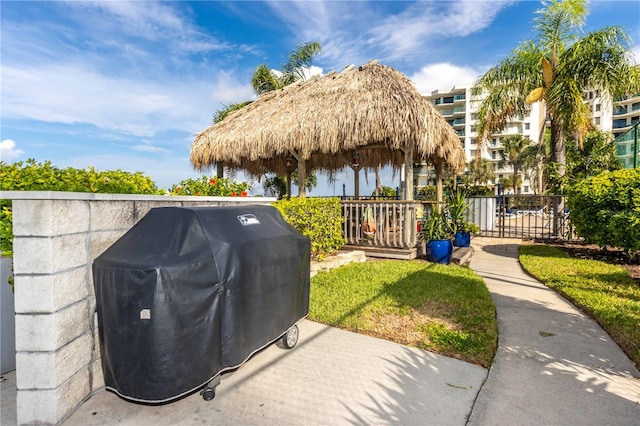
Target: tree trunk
(219, 170)
(558, 156)
(288, 184)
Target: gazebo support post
(408, 172)
(219, 170)
(302, 174)
(410, 222)
(356, 182)
(439, 172)
(288, 184)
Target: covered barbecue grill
(188, 293)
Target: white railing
(385, 224)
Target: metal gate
(521, 216)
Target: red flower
(198, 193)
(212, 181)
(233, 194)
(244, 194)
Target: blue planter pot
(462, 239)
(439, 251)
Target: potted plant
(457, 207)
(462, 235)
(437, 232)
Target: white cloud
(374, 31)
(150, 148)
(636, 53)
(8, 151)
(443, 77)
(74, 93)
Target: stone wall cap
(89, 196)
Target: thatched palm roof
(372, 108)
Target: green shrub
(33, 176)
(220, 187)
(319, 219)
(385, 192)
(605, 209)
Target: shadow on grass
(445, 309)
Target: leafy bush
(33, 176)
(385, 192)
(319, 219)
(605, 209)
(478, 191)
(211, 186)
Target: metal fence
(521, 216)
(395, 224)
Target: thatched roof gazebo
(359, 117)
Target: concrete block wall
(56, 237)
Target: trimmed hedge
(605, 209)
(33, 176)
(319, 219)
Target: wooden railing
(385, 224)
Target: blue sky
(128, 85)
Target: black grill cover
(190, 292)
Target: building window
(525, 189)
(493, 155)
(527, 126)
(620, 123)
(598, 106)
(597, 121)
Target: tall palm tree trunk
(558, 156)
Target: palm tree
(218, 116)
(513, 155)
(556, 68)
(597, 154)
(265, 80)
(481, 172)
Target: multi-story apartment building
(626, 129)
(626, 113)
(460, 108)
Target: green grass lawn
(605, 292)
(442, 308)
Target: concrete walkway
(331, 377)
(554, 365)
